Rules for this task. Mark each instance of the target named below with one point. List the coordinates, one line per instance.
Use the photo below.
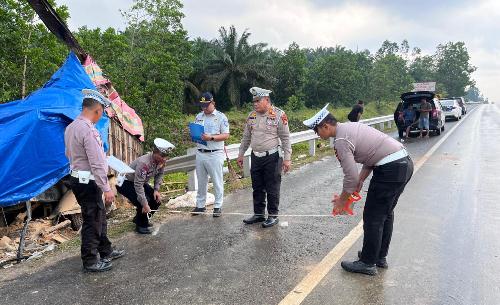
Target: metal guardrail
(187, 163)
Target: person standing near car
(89, 180)
(409, 117)
(392, 169)
(267, 133)
(210, 157)
(423, 120)
(356, 112)
(136, 188)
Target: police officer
(392, 169)
(135, 188)
(210, 157)
(266, 132)
(89, 180)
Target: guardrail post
(312, 147)
(192, 179)
(381, 126)
(332, 141)
(247, 163)
(389, 124)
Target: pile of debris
(188, 200)
(42, 235)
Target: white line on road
(314, 277)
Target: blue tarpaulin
(32, 134)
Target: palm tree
(236, 66)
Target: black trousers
(94, 228)
(266, 180)
(386, 185)
(127, 189)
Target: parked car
(436, 117)
(451, 109)
(461, 102)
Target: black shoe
(143, 230)
(149, 225)
(197, 211)
(217, 212)
(100, 266)
(271, 221)
(114, 255)
(254, 219)
(359, 267)
(381, 263)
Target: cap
(257, 92)
(95, 95)
(163, 145)
(205, 99)
(317, 118)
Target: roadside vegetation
(160, 70)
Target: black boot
(114, 255)
(134, 220)
(143, 230)
(359, 267)
(271, 221)
(100, 266)
(254, 219)
(381, 262)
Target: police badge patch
(144, 171)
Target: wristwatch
(212, 139)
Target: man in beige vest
(267, 133)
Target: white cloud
(355, 24)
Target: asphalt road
(445, 246)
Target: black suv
(436, 117)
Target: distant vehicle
(461, 102)
(452, 109)
(436, 117)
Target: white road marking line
(248, 214)
(314, 277)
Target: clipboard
(196, 130)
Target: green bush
(294, 104)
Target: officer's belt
(81, 174)
(392, 157)
(265, 153)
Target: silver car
(452, 109)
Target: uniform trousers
(210, 164)
(94, 228)
(386, 185)
(128, 190)
(266, 180)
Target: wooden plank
(123, 145)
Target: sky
(355, 24)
